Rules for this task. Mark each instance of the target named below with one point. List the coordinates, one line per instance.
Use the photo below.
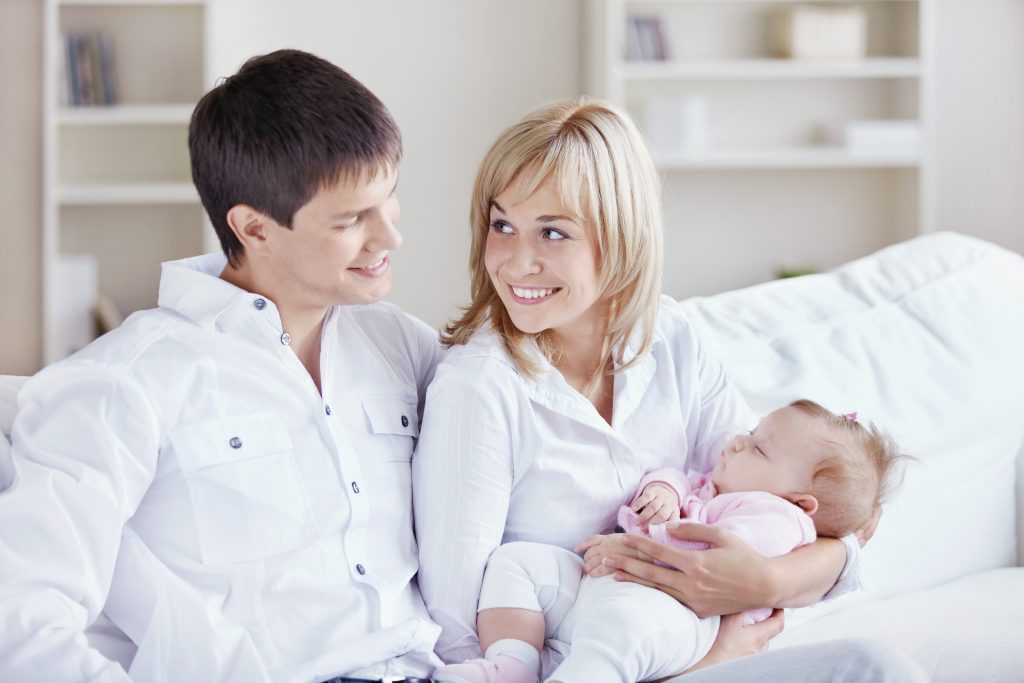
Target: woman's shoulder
(673, 327)
(481, 360)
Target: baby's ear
(805, 502)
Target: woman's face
(544, 264)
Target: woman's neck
(584, 363)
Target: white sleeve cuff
(851, 578)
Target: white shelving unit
(770, 191)
(117, 191)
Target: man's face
(337, 250)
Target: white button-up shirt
(184, 475)
(504, 458)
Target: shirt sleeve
(427, 351)
(851, 578)
(84, 448)
(672, 478)
(462, 484)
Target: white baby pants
(596, 629)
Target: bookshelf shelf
(781, 159)
(130, 3)
(113, 194)
(125, 114)
(755, 69)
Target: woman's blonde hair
(604, 175)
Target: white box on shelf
(77, 289)
(818, 32)
(873, 136)
(678, 125)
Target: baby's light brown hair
(863, 468)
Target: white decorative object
(876, 136)
(77, 287)
(678, 125)
(820, 32)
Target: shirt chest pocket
(247, 495)
(393, 425)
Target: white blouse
(503, 457)
(184, 475)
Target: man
(226, 476)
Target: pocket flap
(230, 439)
(392, 415)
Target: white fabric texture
(503, 457)
(926, 339)
(596, 629)
(184, 475)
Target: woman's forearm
(803, 576)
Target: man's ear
(250, 226)
(805, 502)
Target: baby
(802, 472)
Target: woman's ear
(805, 502)
(249, 226)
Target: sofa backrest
(925, 338)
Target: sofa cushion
(966, 630)
(925, 338)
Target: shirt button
(286, 339)
(260, 304)
(327, 409)
(361, 569)
(405, 421)
(355, 487)
(235, 442)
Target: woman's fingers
(588, 543)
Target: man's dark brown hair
(285, 126)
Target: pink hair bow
(852, 417)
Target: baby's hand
(596, 548)
(656, 504)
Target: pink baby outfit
(767, 523)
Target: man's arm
(84, 452)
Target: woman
(568, 378)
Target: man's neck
(304, 324)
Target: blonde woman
(567, 379)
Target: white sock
(517, 649)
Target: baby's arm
(657, 500)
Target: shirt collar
(193, 288)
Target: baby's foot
(497, 669)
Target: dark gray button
(260, 304)
(286, 339)
(405, 421)
(361, 569)
(355, 487)
(235, 442)
(327, 409)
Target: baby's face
(779, 456)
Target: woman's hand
(728, 577)
(596, 548)
(656, 504)
(735, 639)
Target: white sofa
(927, 339)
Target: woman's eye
(501, 226)
(554, 234)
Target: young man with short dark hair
(226, 477)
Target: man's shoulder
(140, 334)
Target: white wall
(21, 185)
(453, 73)
(978, 119)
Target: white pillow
(9, 388)
(927, 339)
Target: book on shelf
(646, 40)
(88, 70)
